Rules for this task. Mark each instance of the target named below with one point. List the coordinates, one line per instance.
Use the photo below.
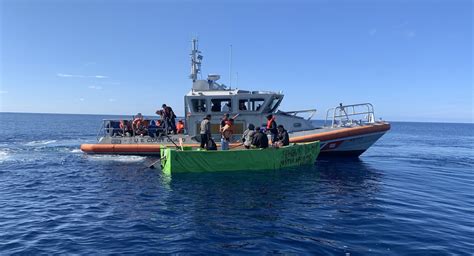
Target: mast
(230, 68)
(196, 59)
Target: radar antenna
(196, 59)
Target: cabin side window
(221, 105)
(199, 105)
(256, 104)
(244, 105)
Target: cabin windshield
(251, 104)
(274, 105)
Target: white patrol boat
(349, 130)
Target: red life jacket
(269, 122)
(227, 130)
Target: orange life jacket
(180, 127)
(137, 123)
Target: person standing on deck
(205, 131)
(227, 132)
(224, 119)
(170, 118)
(272, 127)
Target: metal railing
(350, 115)
(311, 112)
(107, 129)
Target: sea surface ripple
(410, 194)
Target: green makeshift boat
(179, 161)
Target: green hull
(177, 161)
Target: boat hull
(340, 142)
(184, 161)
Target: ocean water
(412, 193)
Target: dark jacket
(272, 127)
(284, 138)
(168, 113)
(260, 140)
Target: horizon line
(51, 113)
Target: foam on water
(39, 143)
(4, 156)
(116, 158)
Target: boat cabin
(248, 106)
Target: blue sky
(411, 59)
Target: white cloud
(68, 75)
(112, 100)
(81, 76)
(3, 92)
(95, 87)
(99, 77)
(81, 99)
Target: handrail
(294, 113)
(102, 128)
(342, 114)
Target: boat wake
(36, 143)
(4, 156)
(116, 158)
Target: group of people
(253, 137)
(141, 126)
(257, 136)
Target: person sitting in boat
(227, 132)
(113, 128)
(248, 136)
(180, 127)
(205, 131)
(272, 127)
(126, 127)
(153, 128)
(283, 139)
(161, 128)
(211, 145)
(139, 125)
(260, 140)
